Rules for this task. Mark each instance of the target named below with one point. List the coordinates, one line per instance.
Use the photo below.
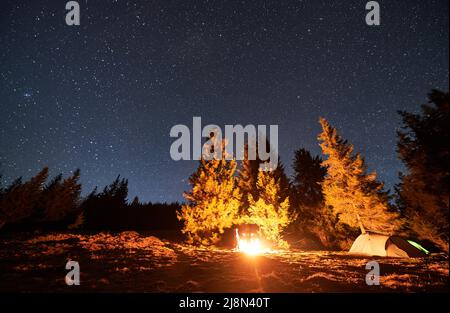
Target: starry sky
(104, 95)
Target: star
(109, 91)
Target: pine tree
(49, 198)
(135, 202)
(105, 210)
(116, 192)
(307, 180)
(78, 223)
(356, 197)
(247, 179)
(283, 181)
(213, 202)
(315, 219)
(19, 199)
(61, 198)
(271, 210)
(423, 147)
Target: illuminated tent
(391, 246)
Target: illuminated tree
(356, 197)
(270, 211)
(213, 202)
(248, 177)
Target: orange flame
(251, 246)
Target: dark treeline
(110, 210)
(321, 198)
(57, 205)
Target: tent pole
(363, 231)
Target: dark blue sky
(103, 96)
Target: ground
(132, 262)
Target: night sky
(103, 96)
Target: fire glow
(250, 246)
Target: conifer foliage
(34, 202)
(213, 203)
(18, 201)
(424, 149)
(61, 198)
(356, 197)
(270, 210)
(314, 219)
(307, 180)
(247, 179)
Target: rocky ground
(130, 262)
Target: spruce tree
(307, 180)
(315, 219)
(356, 197)
(19, 199)
(106, 210)
(213, 202)
(247, 179)
(271, 209)
(49, 198)
(423, 147)
(61, 198)
(282, 180)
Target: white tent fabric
(383, 245)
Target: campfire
(248, 240)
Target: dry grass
(130, 262)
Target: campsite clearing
(130, 262)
